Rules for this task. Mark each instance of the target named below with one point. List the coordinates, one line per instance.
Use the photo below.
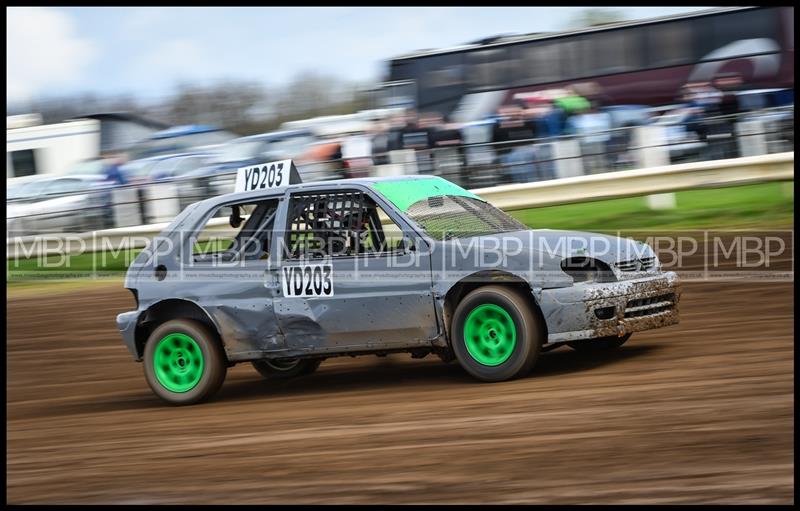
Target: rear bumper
(611, 309)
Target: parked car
(684, 144)
(180, 139)
(138, 171)
(217, 176)
(72, 203)
(304, 272)
(178, 165)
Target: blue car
(217, 177)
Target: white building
(34, 148)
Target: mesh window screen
(445, 217)
(333, 224)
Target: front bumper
(126, 323)
(611, 309)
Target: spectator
(380, 144)
(570, 101)
(112, 170)
(721, 120)
(728, 86)
(593, 129)
(518, 158)
(416, 135)
(513, 126)
(446, 140)
(543, 114)
(394, 135)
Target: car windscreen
(237, 151)
(445, 210)
(445, 217)
(89, 167)
(62, 186)
(23, 191)
(291, 146)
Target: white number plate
(307, 280)
(264, 175)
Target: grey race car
(286, 277)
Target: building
(119, 131)
(34, 148)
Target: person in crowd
(720, 121)
(446, 140)
(416, 135)
(592, 127)
(111, 168)
(728, 85)
(688, 96)
(513, 136)
(380, 143)
(394, 133)
(540, 110)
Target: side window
(24, 162)
(614, 51)
(669, 44)
(538, 63)
(59, 186)
(236, 232)
(341, 224)
(164, 167)
(186, 165)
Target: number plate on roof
(266, 175)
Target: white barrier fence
(626, 183)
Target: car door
(339, 288)
(226, 273)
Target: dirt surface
(701, 412)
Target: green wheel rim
(490, 334)
(178, 362)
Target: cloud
(171, 61)
(43, 51)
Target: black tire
(528, 328)
(285, 369)
(215, 364)
(600, 344)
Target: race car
(284, 274)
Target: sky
(146, 51)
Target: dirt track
(699, 412)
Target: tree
(595, 16)
(243, 107)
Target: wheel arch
(165, 310)
(484, 278)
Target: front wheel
(600, 344)
(286, 368)
(495, 334)
(183, 362)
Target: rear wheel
(600, 344)
(495, 334)
(183, 362)
(286, 368)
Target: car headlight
(656, 263)
(587, 270)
